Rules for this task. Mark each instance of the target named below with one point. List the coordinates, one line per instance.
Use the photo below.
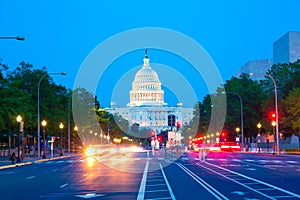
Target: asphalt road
(141, 175)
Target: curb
(30, 162)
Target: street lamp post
(44, 123)
(276, 113)
(108, 137)
(101, 136)
(258, 136)
(61, 126)
(38, 128)
(242, 117)
(19, 119)
(273, 124)
(76, 130)
(237, 130)
(69, 126)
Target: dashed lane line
(64, 185)
(30, 177)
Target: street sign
(171, 135)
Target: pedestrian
(13, 158)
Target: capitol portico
(147, 107)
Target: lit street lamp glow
(19, 120)
(44, 123)
(61, 126)
(258, 136)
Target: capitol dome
(146, 87)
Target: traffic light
(171, 120)
(178, 124)
(272, 115)
(223, 134)
(160, 138)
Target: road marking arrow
(89, 195)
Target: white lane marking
(251, 169)
(167, 182)
(30, 177)
(141, 193)
(249, 178)
(99, 168)
(204, 184)
(264, 161)
(64, 185)
(10, 172)
(292, 162)
(84, 175)
(150, 185)
(55, 170)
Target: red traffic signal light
(272, 115)
(223, 134)
(160, 138)
(178, 124)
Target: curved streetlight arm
(38, 108)
(276, 112)
(242, 116)
(19, 37)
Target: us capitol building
(147, 107)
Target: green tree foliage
(19, 90)
(291, 115)
(287, 77)
(252, 96)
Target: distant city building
(147, 107)
(287, 48)
(259, 67)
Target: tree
(252, 95)
(291, 116)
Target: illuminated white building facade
(147, 107)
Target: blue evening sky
(61, 34)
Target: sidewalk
(29, 159)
